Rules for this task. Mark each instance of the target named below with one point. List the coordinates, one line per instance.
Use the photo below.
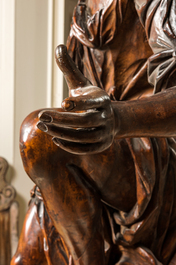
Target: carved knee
(36, 148)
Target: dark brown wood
(105, 164)
(7, 195)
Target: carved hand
(87, 124)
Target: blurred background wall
(29, 78)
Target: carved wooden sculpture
(105, 163)
(8, 216)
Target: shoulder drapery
(90, 33)
(92, 29)
(109, 47)
(159, 20)
(116, 59)
(156, 194)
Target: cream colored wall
(25, 80)
(29, 78)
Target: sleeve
(98, 29)
(159, 19)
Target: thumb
(73, 76)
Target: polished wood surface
(105, 164)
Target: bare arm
(93, 130)
(154, 116)
(91, 121)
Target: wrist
(152, 116)
(124, 118)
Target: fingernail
(45, 118)
(56, 140)
(68, 105)
(41, 126)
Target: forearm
(153, 116)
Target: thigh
(112, 172)
(71, 200)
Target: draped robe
(130, 58)
(128, 49)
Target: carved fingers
(78, 133)
(87, 123)
(73, 119)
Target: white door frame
(7, 78)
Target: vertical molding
(50, 53)
(7, 78)
(59, 24)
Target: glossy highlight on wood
(104, 164)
